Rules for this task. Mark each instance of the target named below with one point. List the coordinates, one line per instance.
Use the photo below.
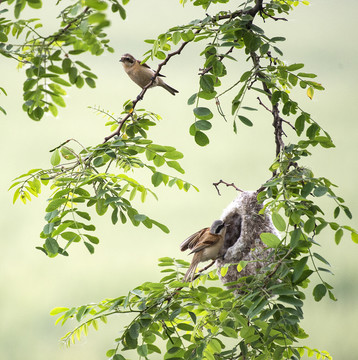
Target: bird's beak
(120, 60)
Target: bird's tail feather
(169, 88)
(189, 276)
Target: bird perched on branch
(205, 244)
(142, 74)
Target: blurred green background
(323, 36)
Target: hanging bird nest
(242, 240)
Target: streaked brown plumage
(205, 244)
(142, 74)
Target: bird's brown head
(128, 60)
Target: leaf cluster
(202, 321)
(50, 60)
(83, 178)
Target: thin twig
(285, 121)
(221, 57)
(262, 11)
(227, 184)
(62, 31)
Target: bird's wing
(209, 241)
(147, 66)
(192, 240)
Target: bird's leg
(205, 268)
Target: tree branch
(277, 120)
(227, 184)
(62, 31)
(144, 90)
(221, 57)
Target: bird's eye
(220, 227)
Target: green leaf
(295, 237)
(207, 95)
(134, 330)
(307, 189)
(122, 11)
(347, 212)
(90, 82)
(298, 268)
(245, 120)
(203, 113)
(72, 75)
(338, 236)
(58, 100)
(294, 67)
(278, 221)
(354, 237)
(55, 158)
(230, 332)
(264, 48)
(66, 65)
(185, 327)
(29, 84)
(118, 357)
(160, 148)
(142, 350)
(192, 99)
(101, 207)
(293, 79)
(207, 83)
(52, 245)
(54, 204)
(111, 352)
(321, 258)
(161, 226)
(312, 131)
(176, 37)
(71, 236)
(277, 38)
(201, 139)
(97, 4)
(245, 76)
(309, 225)
(320, 191)
(275, 97)
(89, 247)
(92, 239)
(319, 292)
(58, 310)
(308, 75)
(241, 265)
(203, 125)
(291, 300)
(173, 155)
(140, 217)
(300, 124)
(269, 239)
(175, 165)
(3, 37)
(157, 178)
